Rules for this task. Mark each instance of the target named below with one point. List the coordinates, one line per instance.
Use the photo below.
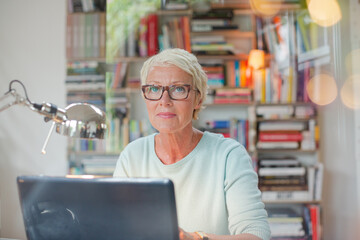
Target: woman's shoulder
(218, 141)
(219, 138)
(140, 143)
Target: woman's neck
(172, 147)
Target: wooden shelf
(96, 59)
(284, 151)
(291, 202)
(285, 119)
(228, 104)
(92, 153)
(231, 5)
(242, 56)
(117, 90)
(284, 6)
(130, 59)
(174, 12)
(233, 33)
(285, 104)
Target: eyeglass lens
(176, 92)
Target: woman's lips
(166, 115)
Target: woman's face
(167, 115)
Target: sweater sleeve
(121, 166)
(247, 212)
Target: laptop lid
(101, 208)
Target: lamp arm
(80, 120)
(16, 99)
(49, 110)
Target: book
(289, 187)
(218, 124)
(282, 181)
(69, 36)
(303, 20)
(142, 37)
(152, 40)
(283, 125)
(307, 221)
(275, 111)
(277, 145)
(102, 40)
(283, 136)
(315, 221)
(285, 196)
(186, 33)
(132, 40)
(285, 223)
(96, 35)
(282, 171)
(319, 173)
(279, 161)
(174, 5)
(283, 214)
(233, 92)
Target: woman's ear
(199, 102)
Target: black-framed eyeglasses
(176, 92)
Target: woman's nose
(165, 99)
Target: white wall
(338, 138)
(32, 49)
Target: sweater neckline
(183, 161)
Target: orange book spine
(186, 32)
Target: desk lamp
(78, 120)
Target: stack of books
(237, 129)
(85, 35)
(85, 75)
(215, 74)
(98, 165)
(280, 134)
(281, 174)
(175, 34)
(275, 111)
(232, 95)
(215, 19)
(286, 179)
(238, 74)
(285, 223)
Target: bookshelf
(239, 105)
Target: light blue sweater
(215, 185)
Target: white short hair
(183, 60)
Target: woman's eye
(179, 89)
(154, 89)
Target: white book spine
(285, 196)
(282, 171)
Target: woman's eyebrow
(172, 83)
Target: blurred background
(33, 49)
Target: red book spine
(153, 44)
(314, 215)
(247, 133)
(280, 137)
(226, 135)
(186, 33)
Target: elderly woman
(215, 185)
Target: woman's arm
(194, 236)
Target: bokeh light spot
(350, 92)
(324, 12)
(265, 8)
(322, 89)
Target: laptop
(101, 208)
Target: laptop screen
(101, 208)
